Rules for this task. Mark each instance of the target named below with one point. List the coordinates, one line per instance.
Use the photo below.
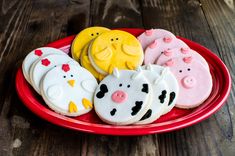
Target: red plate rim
(74, 124)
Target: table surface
(27, 24)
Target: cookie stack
(100, 50)
(65, 86)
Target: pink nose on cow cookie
(189, 82)
(119, 96)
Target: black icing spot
(162, 96)
(103, 90)
(136, 108)
(147, 115)
(145, 88)
(113, 112)
(172, 97)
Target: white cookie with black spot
(69, 89)
(160, 97)
(43, 65)
(34, 56)
(172, 85)
(123, 97)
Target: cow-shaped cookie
(194, 80)
(68, 89)
(149, 36)
(123, 97)
(158, 46)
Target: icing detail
(71, 82)
(147, 114)
(119, 96)
(149, 67)
(167, 53)
(136, 108)
(72, 107)
(86, 103)
(169, 63)
(116, 73)
(45, 62)
(65, 67)
(153, 44)
(55, 92)
(38, 52)
(89, 85)
(130, 50)
(162, 96)
(111, 67)
(167, 39)
(104, 55)
(137, 74)
(112, 113)
(187, 59)
(130, 65)
(189, 82)
(86, 59)
(184, 50)
(148, 32)
(145, 88)
(103, 90)
(171, 99)
(114, 45)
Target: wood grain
(25, 25)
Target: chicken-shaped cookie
(83, 38)
(68, 89)
(113, 49)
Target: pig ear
(116, 73)
(188, 59)
(169, 63)
(89, 85)
(137, 73)
(55, 92)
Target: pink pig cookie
(158, 46)
(149, 36)
(194, 80)
(180, 52)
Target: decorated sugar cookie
(85, 62)
(68, 89)
(83, 38)
(180, 52)
(43, 65)
(158, 46)
(34, 55)
(115, 49)
(194, 80)
(123, 97)
(160, 96)
(149, 36)
(172, 83)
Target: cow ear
(116, 73)
(137, 73)
(89, 85)
(162, 76)
(149, 67)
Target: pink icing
(153, 45)
(167, 53)
(187, 59)
(119, 96)
(184, 50)
(188, 82)
(167, 39)
(149, 32)
(169, 63)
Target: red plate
(176, 119)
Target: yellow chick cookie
(84, 37)
(115, 48)
(85, 62)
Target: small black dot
(180, 71)
(55, 66)
(128, 86)
(189, 69)
(162, 52)
(97, 33)
(92, 34)
(71, 75)
(120, 85)
(64, 76)
(111, 39)
(116, 38)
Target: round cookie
(71, 92)
(33, 56)
(149, 36)
(158, 46)
(115, 49)
(43, 65)
(160, 97)
(172, 83)
(194, 80)
(180, 52)
(123, 97)
(83, 38)
(85, 62)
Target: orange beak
(71, 82)
(114, 45)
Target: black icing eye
(92, 34)
(55, 66)
(188, 69)
(64, 76)
(128, 86)
(111, 39)
(120, 85)
(180, 71)
(71, 75)
(162, 52)
(97, 33)
(116, 38)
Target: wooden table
(27, 24)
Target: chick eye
(189, 69)
(64, 76)
(128, 86)
(120, 85)
(111, 39)
(97, 33)
(71, 75)
(180, 71)
(116, 38)
(92, 34)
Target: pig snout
(119, 96)
(188, 82)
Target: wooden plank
(214, 29)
